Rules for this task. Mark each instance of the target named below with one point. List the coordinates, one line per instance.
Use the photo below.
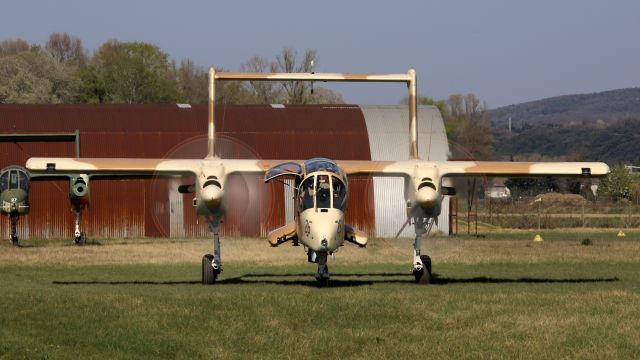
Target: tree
(296, 92)
(192, 82)
(33, 76)
(289, 92)
(265, 92)
(468, 126)
(13, 47)
(66, 48)
(135, 73)
(617, 185)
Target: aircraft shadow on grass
(349, 281)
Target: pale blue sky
(504, 51)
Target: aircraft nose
(212, 196)
(327, 235)
(427, 197)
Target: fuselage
(320, 204)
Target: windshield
(339, 193)
(323, 194)
(306, 193)
(14, 179)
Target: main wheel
(80, 240)
(14, 240)
(209, 274)
(424, 276)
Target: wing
(112, 168)
(474, 168)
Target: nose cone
(212, 197)
(322, 230)
(327, 237)
(427, 197)
(14, 201)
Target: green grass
(518, 306)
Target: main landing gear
(80, 238)
(421, 263)
(211, 263)
(13, 235)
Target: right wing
(410, 168)
(113, 167)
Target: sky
(505, 52)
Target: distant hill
(607, 106)
(617, 142)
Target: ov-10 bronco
(321, 185)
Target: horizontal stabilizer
(355, 236)
(282, 234)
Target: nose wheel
(211, 263)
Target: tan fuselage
(321, 230)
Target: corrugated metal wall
(144, 207)
(388, 128)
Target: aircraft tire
(80, 240)
(15, 241)
(209, 275)
(424, 276)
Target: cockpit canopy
(14, 177)
(322, 191)
(323, 164)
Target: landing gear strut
(80, 238)
(211, 263)
(421, 263)
(322, 276)
(13, 235)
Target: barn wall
(131, 208)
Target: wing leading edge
(474, 168)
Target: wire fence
(556, 211)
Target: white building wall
(388, 129)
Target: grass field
(499, 296)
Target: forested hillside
(613, 143)
(571, 109)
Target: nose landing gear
(13, 235)
(421, 263)
(322, 275)
(211, 263)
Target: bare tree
(468, 120)
(264, 91)
(66, 48)
(12, 47)
(297, 92)
(192, 82)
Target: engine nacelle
(210, 197)
(79, 190)
(427, 195)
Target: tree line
(63, 71)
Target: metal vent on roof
(184, 106)
(277, 106)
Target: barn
(153, 207)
